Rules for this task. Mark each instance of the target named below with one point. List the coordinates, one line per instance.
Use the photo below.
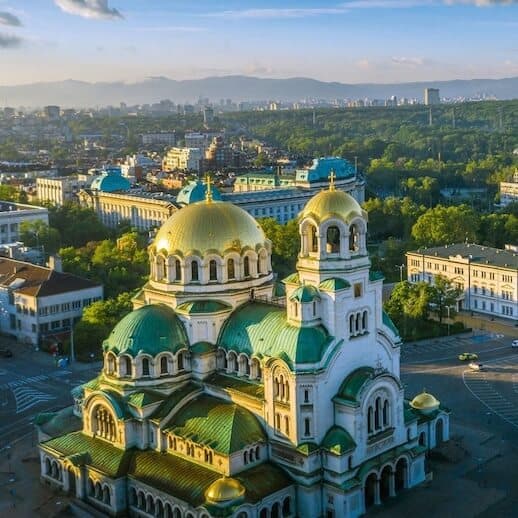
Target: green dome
(150, 329)
(332, 204)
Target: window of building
(145, 367)
(357, 290)
(56, 324)
(177, 270)
(333, 240)
(213, 272)
(194, 271)
(307, 427)
(231, 273)
(246, 266)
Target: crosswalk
(439, 346)
(27, 397)
(33, 379)
(478, 384)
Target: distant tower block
(431, 96)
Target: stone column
(392, 484)
(377, 497)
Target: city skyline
(351, 42)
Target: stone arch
(182, 360)
(164, 361)
(144, 362)
(263, 513)
(286, 506)
(195, 270)
(168, 510)
(213, 270)
(385, 482)
(232, 273)
(255, 369)
(333, 239)
(221, 359)
(246, 267)
(133, 498)
(177, 513)
(48, 467)
(161, 268)
(106, 495)
(141, 500)
(370, 490)
(276, 510)
(159, 506)
(103, 422)
(422, 439)
(150, 504)
(177, 270)
(232, 363)
(243, 365)
(262, 262)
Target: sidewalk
(479, 322)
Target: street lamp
(401, 267)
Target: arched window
(351, 324)
(110, 363)
(145, 367)
(286, 507)
(177, 270)
(246, 266)
(386, 413)
(257, 452)
(287, 425)
(370, 415)
(164, 269)
(307, 426)
(333, 240)
(377, 414)
(180, 362)
(103, 424)
(278, 422)
(245, 457)
(313, 239)
(163, 365)
(213, 271)
(194, 271)
(364, 321)
(231, 273)
(125, 365)
(354, 239)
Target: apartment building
(12, 215)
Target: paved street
(31, 383)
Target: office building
(487, 277)
(166, 138)
(431, 96)
(12, 215)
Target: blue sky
(348, 41)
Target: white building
(165, 138)
(431, 96)
(509, 191)
(61, 189)
(217, 400)
(12, 215)
(487, 277)
(183, 159)
(39, 303)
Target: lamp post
(401, 267)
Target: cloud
(172, 28)
(405, 61)
(97, 9)
(9, 19)
(482, 3)
(8, 41)
(279, 12)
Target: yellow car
(468, 356)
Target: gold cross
(208, 195)
(332, 177)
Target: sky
(354, 41)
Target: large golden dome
(332, 204)
(224, 489)
(425, 402)
(214, 227)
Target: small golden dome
(216, 227)
(224, 490)
(333, 203)
(425, 403)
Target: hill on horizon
(79, 94)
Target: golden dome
(225, 489)
(202, 227)
(425, 403)
(332, 203)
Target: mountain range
(71, 93)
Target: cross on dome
(208, 195)
(332, 177)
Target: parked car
(514, 343)
(6, 353)
(474, 366)
(468, 356)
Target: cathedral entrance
(386, 474)
(371, 487)
(401, 474)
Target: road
(30, 383)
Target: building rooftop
(39, 281)
(477, 254)
(9, 206)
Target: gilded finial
(332, 177)
(208, 184)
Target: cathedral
(228, 392)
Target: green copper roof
(191, 481)
(224, 427)
(409, 413)
(375, 276)
(388, 322)
(203, 348)
(354, 382)
(338, 441)
(306, 448)
(143, 398)
(294, 278)
(305, 293)
(173, 399)
(334, 284)
(150, 329)
(196, 191)
(103, 456)
(58, 423)
(261, 329)
(203, 306)
(231, 383)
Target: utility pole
(401, 267)
(430, 118)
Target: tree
(444, 295)
(38, 234)
(97, 322)
(443, 225)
